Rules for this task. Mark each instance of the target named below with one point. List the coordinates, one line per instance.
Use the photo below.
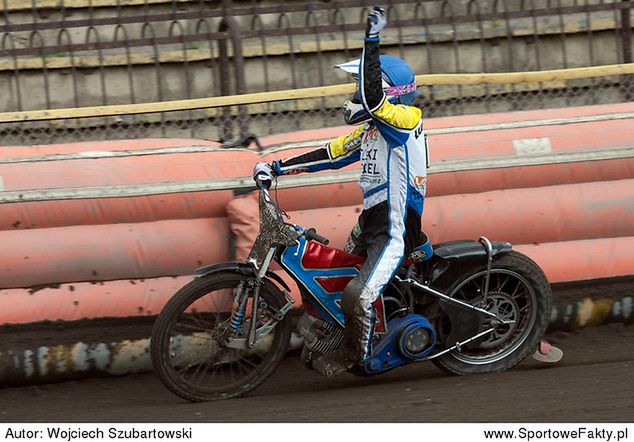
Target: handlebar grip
(312, 234)
(263, 184)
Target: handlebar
(312, 234)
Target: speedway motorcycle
(467, 306)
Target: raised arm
(370, 75)
(371, 81)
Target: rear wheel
(190, 348)
(519, 292)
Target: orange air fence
(75, 301)
(112, 251)
(555, 227)
(87, 257)
(57, 170)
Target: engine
(410, 337)
(319, 336)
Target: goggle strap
(395, 91)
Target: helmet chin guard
(353, 111)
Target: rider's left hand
(377, 21)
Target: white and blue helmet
(399, 84)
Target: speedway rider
(391, 147)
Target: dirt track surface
(593, 383)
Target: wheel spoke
(206, 369)
(198, 322)
(500, 287)
(253, 364)
(242, 367)
(249, 367)
(198, 366)
(185, 368)
(517, 287)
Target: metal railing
(291, 110)
(74, 53)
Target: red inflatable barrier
(333, 223)
(512, 143)
(83, 300)
(587, 134)
(100, 146)
(583, 260)
(545, 139)
(574, 219)
(484, 180)
(561, 261)
(108, 252)
(128, 170)
(535, 215)
(466, 181)
(193, 205)
(544, 214)
(45, 214)
(144, 169)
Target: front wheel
(196, 354)
(518, 292)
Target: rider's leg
(386, 247)
(361, 292)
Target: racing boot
(339, 360)
(332, 363)
(547, 353)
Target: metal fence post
(626, 32)
(626, 37)
(229, 23)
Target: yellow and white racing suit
(392, 150)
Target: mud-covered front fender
(241, 268)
